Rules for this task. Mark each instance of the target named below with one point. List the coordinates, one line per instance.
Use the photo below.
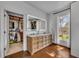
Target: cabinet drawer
(39, 42)
(34, 40)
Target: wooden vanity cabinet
(35, 43)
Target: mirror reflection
(36, 25)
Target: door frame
(6, 32)
(68, 13)
(2, 31)
(8, 26)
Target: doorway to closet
(13, 33)
(63, 28)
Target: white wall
(20, 8)
(52, 25)
(75, 29)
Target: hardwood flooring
(13, 48)
(52, 51)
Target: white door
(75, 29)
(6, 32)
(0, 34)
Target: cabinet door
(50, 39)
(40, 44)
(35, 43)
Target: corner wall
(52, 26)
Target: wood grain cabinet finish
(36, 43)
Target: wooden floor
(15, 47)
(52, 51)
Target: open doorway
(63, 28)
(13, 33)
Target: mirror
(42, 24)
(36, 24)
(33, 24)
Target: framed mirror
(36, 24)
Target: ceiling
(48, 6)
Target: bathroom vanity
(38, 42)
(37, 38)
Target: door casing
(24, 33)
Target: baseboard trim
(13, 53)
(61, 45)
(73, 56)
